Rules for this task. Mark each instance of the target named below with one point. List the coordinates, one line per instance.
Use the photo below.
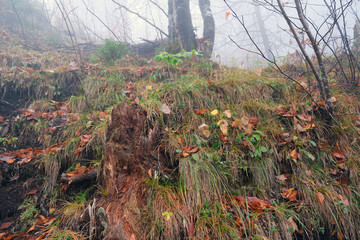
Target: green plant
(175, 59)
(112, 50)
(255, 139)
(8, 140)
(29, 210)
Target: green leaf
(309, 155)
(263, 149)
(313, 143)
(195, 157)
(260, 132)
(178, 150)
(257, 137)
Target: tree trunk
(171, 17)
(263, 34)
(209, 27)
(183, 24)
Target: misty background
(94, 21)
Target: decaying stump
(128, 159)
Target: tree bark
(183, 25)
(209, 27)
(171, 17)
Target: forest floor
(147, 150)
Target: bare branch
(92, 13)
(141, 17)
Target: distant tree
(181, 29)
(181, 33)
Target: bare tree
(301, 25)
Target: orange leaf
(184, 154)
(294, 154)
(150, 173)
(11, 160)
(320, 103)
(320, 197)
(290, 194)
(193, 150)
(202, 111)
(338, 155)
(32, 192)
(227, 14)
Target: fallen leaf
(320, 197)
(2, 118)
(5, 225)
(344, 200)
(227, 113)
(338, 155)
(149, 88)
(292, 224)
(185, 154)
(204, 130)
(282, 178)
(253, 121)
(214, 112)
(333, 100)
(290, 194)
(294, 154)
(202, 111)
(11, 160)
(165, 109)
(32, 192)
(193, 150)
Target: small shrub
(112, 50)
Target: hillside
(141, 149)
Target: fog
(94, 20)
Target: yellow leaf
(215, 112)
(148, 87)
(227, 113)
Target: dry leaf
(320, 197)
(204, 130)
(150, 173)
(165, 109)
(149, 88)
(281, 178)
(224, 129)
(202, 111)
(184, 154)
(32, 192)
(292, 224)
(5, 225)
(294, 154)
(290, 194)
(227, 113)
(338, 155)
